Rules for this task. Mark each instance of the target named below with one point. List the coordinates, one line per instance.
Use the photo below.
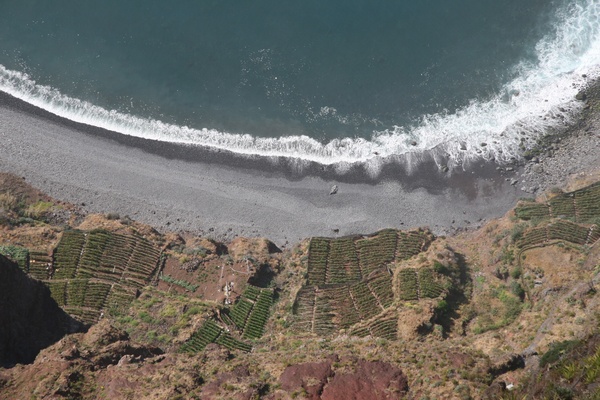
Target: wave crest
(541, 97)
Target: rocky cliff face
(30, 319)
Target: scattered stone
(334, 190)
(510, 169)
(413, 143)
(513, 182)
(445, 168)
(537, 168)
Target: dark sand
(217, 194)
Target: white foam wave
(541, 97)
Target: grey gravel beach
(178, 192)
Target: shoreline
(183, 188)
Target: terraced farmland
(210, 332)
(560, 230)
(385, 327)
(351, 259)
(419, 283)
(250, 313)
(582, 206)
(349, 281)
(248, 317)
(93, 272)
(377, 251)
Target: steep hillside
(507, 310)
(30, 319)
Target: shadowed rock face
(30, 319)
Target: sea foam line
(541, 97)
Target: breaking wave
(541, 97)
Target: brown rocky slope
(506, 310)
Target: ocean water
(334, 82)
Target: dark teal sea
(323, 80)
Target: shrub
(508, 256)
(517, 232)
(38, 210)
(516, 272)
(517, 290)
(556, 350)
(179, 282)
(113, 216)
(442, 307)
(440, 268)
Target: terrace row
(210, 332)
(107, 256)
(419, 283)
(250, 313)
(385, 327)
(560, 230)
(329, 308)
(351, 259)
(582, 206)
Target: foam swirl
(541, 97)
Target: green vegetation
(19, 255)
(257, 319)
(381, 287)
(502, 310)
(342, 262)
(38, 210)
(429, 285)
(354, 281)
(411, 243)
(210, 332)
(318, 250)
(350, 259)
(559, 230)
(556, 350)
(408, 284)
(92, 272)
(377, 251)
(67, 254)
(582, 206)
(179, 282)
(424, 282)
(386, 328)
(240, 312)
(250, 313)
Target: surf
(540, 98)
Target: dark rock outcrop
(30, 320)
(309, 378)
(366, 380)
(370, 380)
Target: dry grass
(8, 201)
